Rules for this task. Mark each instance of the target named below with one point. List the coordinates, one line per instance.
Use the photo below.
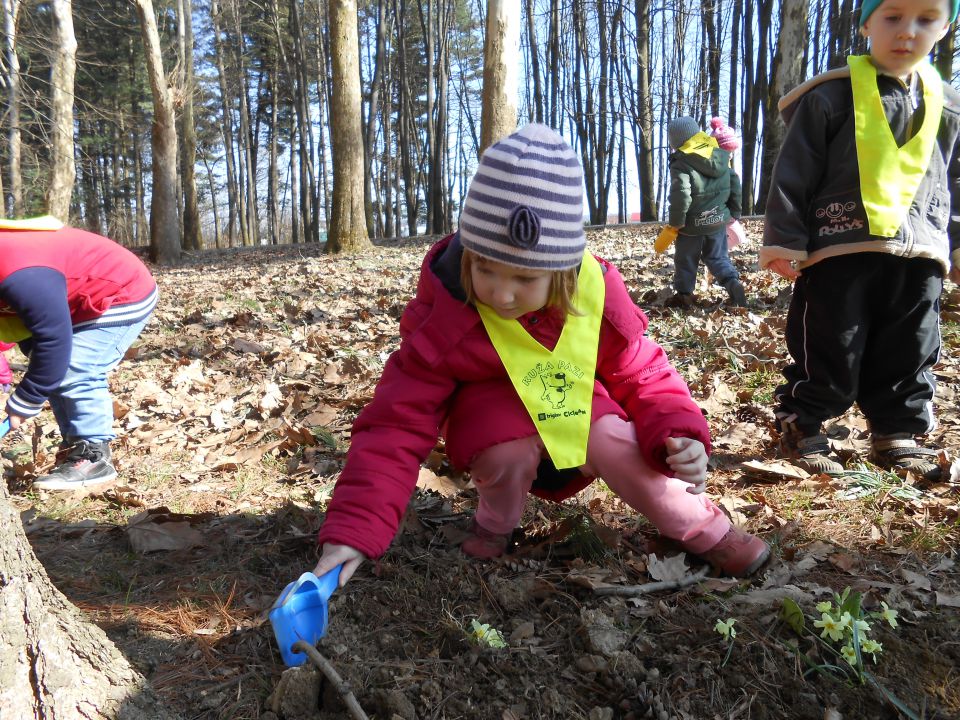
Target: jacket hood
(715, 165)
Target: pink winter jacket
(446, 376)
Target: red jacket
(447, 375)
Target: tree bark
(53, 662)
(188, 153)
(11, 10)
(63, 67)
(501, 61)
(164, 220)
(786, 73)
(347, 228)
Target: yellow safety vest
(556, 386)
(890, 175)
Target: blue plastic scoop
(300, 613)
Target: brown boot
(808, 452)
(901, 452)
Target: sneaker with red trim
(738, 554)
(483, 544)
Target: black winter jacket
(815, 209)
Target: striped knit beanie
(868, 6)
(525, 203)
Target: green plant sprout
(727, 632)
(486, 635)
(843, 630)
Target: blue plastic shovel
(4, 427)
(300, 613)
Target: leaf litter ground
(235, 412)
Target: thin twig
(631, 590)
(343, 687)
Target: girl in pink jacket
(529, 357)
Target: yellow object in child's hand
(665, 238)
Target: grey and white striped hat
(525, 203)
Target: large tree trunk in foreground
(53, 662)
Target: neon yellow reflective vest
(890, 175)
(556, 386)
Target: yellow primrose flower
(889, 614)
(824, 607)
(849, 654)
(832, 627)
(861, 627)
(872, 647)
(726, 628)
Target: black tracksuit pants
(863, 328)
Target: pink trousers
(505, 473)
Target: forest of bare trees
(223, 118)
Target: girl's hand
(955, 275)
(16, 421)
(333, 555)
(784, 268)
(687, 459)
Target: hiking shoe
(901, 452)
(808, 452)
(738, 554)
(86, 464)
(483, 544)
(680, 300)
(738, 296)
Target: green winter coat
(704, 191)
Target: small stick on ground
(631, 590)
(343, 688)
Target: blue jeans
(82, 404)
(688, 249)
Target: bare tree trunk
(63, 66)
(786, 73)
(188, 138)
(307, 178)
(247, 147)
(11, 12)
(216, 15)
(373, 112)
(534, 62)
(347, 231)
(732, 118)
(164, 223)
(643, 119)
(437, 184)
(501, 60)
(53, 662)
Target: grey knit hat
(681, 129)
(525, 203)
